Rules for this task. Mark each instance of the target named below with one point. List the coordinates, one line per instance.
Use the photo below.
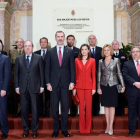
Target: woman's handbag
(75, 99)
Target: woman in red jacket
(85, 86)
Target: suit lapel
(134, 67)
(55, 56)
(23, 60)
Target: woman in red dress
(85, 86)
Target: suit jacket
(39, 53)
(4, 52)
(5, 72)
(75, 52)
(110, 74)
(54, 73)
(34, 76)
(122, 57)
(130, 76)
(98, 56)
(85, 74)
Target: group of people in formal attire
(90, 72)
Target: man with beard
(70, 44)
(96, 54)
(13, 55)
(43, 52)
(131, 75)
(60, 78)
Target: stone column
(134, 13)
(5, 17)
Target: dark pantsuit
(25, 100)
(3, 115)
(133, 107)
(60, 94)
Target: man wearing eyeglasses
(131, 74)
(29, 83)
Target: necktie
(27, 62)
(138, 68)
(20, 52)
(93, 53)
(60, 57)
(43, 56)
(116, 54)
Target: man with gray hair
(29, 83)
(131, 74)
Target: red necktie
(138, 68)
(60, 57)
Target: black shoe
(55, 134)
(66, 134)
(48, 115)
(16, 115)
(4, 136)
(34, 134)
(25, 134)
(131, 133)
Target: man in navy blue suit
(5, 77)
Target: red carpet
(98, 127)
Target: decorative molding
(5, 6)
(134, 9)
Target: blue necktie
(93, 53)
(27, 62)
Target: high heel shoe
(110, 133)
(106, 131)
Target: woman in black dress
(109, 73)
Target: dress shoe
(16, 115)
(66, 134)
(55, 134)
(131, 133)
(4, 136)
(48, 115)
(34, 134)
(25, 134)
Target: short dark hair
(80, 56)
(1, 44)
(43, 38)
(59, 32)
(70, 36)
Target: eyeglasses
(135, 51)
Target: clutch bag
(119, 88)
(75, 99)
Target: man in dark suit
(119, 111)
(5, 77)
(96, 54)
(43, 51)
(29, 82)
(60, 78)
(131, 74)
(70, 44)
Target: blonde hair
(110, 48)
